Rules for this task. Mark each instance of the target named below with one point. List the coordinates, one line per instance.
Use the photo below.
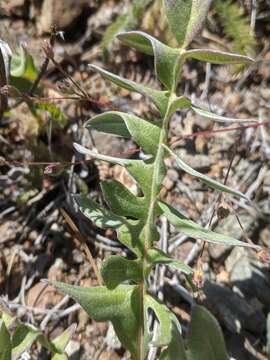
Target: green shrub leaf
(179, 103)
(159, 98)
(116, 269)
(205, 340)
(166, 58)
(218, 57)
(121, 306)
(186, 18)
(219, 118)
(122, 201)
(144, 133)
(5, 342)
(102, 217)
(204, 178)
(175, 349)
(157, 256)
(22, 65)
(190, 228)
(164, 319)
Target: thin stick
(80, 237)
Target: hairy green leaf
(102, 217)
(219, 118)
(157, 256)
(116, 269)
(121, 306)
(5, 59)
(22, 65)
(218, 57)
(122, 201)
(192, 229)
(175, 349)
(163, 315)
(144, 133)
(179, 103)
(205, 340)
(204, 178)
(5, 342)
(166, 58)
(186, 18)
(159, 98)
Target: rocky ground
(35, 241)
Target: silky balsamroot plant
(124, 299)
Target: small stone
(233, 311)
(73, 350)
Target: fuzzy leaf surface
(164, 319)
(175, 349)
(186, 18)
(219, 118)
(159, 98)
(166, 58)
(144, 133)
(205, 340)
(120, 306)
(192, 229)
(218, 57)
(116, 269)
(204, 178)
(156, 256)
(122, 201)
(5, 342)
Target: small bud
(223, 210)
(50, 169)
(48, 49)
(198, 278)
(263, 256)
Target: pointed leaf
(157, 256)
(175, 349)
(121, 306)
(190, 228)
(179, 103)
(218, 57)
(61, 341)
(102, 217)
(186, 18)
(5, 342)
(164, 318)
(116, 269)
(166, 58)
(122, 201)
(114, 160)
(22, 339)
(22, 65)
(219, 118)
(144, 133)
(204, 178)
(5, 58)
(205, 340)
(159, 98)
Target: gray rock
(233, 311)
(249, 275)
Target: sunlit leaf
(157, 256)
(159, 98)
(218, 57)
(22, 65)
(204, 178)
(166, 58)
(5, 342)
(219, 118)
(121, 306)
(186, 18)
(194, 230)
(116, 269)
